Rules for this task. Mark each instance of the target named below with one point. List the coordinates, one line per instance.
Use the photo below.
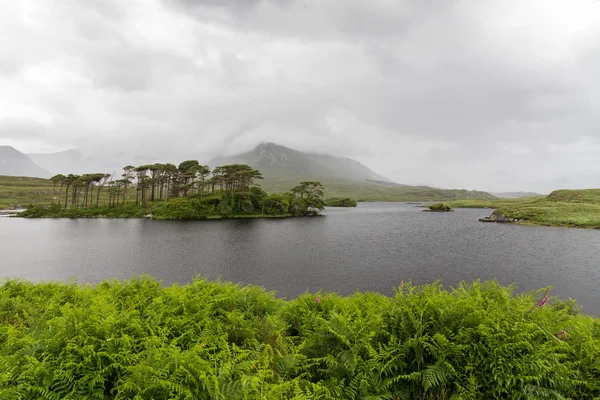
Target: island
(165, 191)
(340, 202)
(438, 207)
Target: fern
(214, 340)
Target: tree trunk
(67, 195)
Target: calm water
(372, 247)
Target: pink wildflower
(318, 299)
(545, 299)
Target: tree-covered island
(166, 191)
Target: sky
(491, 95)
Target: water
(372, 247)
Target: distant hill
(15, 163)
(516, 195)
(64, 162)
(283, 168)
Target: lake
(370, 248)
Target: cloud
(21, 128)
(455, 93)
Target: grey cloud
(21, 128)
(450, 93)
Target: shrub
(341, 202)
(440, 207)
(205, 340)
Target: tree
(170, 180)
(142, 183)
(275, 204)
(311, 194)
(187, 173)
(127, 179)
(69, 181)
(56, 179)
(103, 178)
(202, 172)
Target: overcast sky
(486, 94)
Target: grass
(19, 192)
(212, 340)
(567, 208)
(572, 208)
(493, 204)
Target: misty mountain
(515, 195)
(15, 163)
(283, 168)
(64, 162)
(277, 162)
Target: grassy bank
(568, 208)
(493, 204)
(136, 339)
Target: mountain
(15, 163)
(275, 161)
(283, 168)
(516, 195)
(64, 162)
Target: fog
(479, 95)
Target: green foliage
(307, 198)
(275, 204)
(212, 340)
(340, 202)
(440, 207)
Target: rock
(498, 218)
(148, 216)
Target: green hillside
(370, 191)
